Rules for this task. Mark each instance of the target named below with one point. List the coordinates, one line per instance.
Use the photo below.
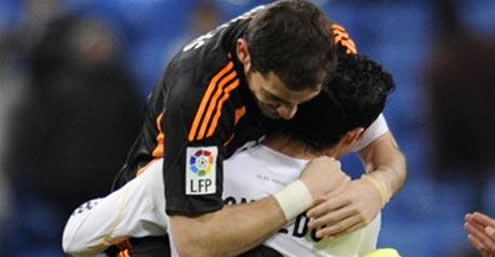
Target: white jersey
(138, 208)
(259, 172)
(135, 210)
(372, 133)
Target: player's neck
(294, 148)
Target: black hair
(292, 39)
(353, 99)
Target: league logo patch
(201, 170)
(201, 162)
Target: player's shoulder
(247, 153)
(209, 55)
(203, 58)
(202, 77)
(195, 67)
(191, 73)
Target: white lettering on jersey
(259, 172)
(200, 41)
(299, 229)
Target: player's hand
(323, 176)
(350, 210)
(481, 230)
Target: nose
(286, 112)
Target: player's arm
(76, 242)
(229, 231)
(135, 210)
(386, 172)
(199, 117)
(196, 125)
(193, 168)
(236, 229)
(384, 161)
(378, 150)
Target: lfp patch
(201, 170)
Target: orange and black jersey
(202, 101)
(198, 115)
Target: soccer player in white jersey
(347, 107)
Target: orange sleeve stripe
(344, 39)
(239, 113)
(160, 138)
(336, 26)
(218, 113)
(213, 103)
(206, 98)
(340, 36)
(124, 249)
(350, 48)
(351, 43)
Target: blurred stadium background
(74, 75)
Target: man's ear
(348, 141)
(354, 135)
(242, 52)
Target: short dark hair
(353, 99)
(292, 39)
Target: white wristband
(294, 199)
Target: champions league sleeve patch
(201, 172)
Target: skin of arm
(138, 209)
(360, 203)
(236, 229)
(227, 232)
(383, 160)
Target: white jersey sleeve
(373, 132)
(137, 209)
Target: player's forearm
(228, 232)
(137, 209)
(81, 235)
(384, 161)
(92, 230)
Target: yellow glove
(384, 252)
